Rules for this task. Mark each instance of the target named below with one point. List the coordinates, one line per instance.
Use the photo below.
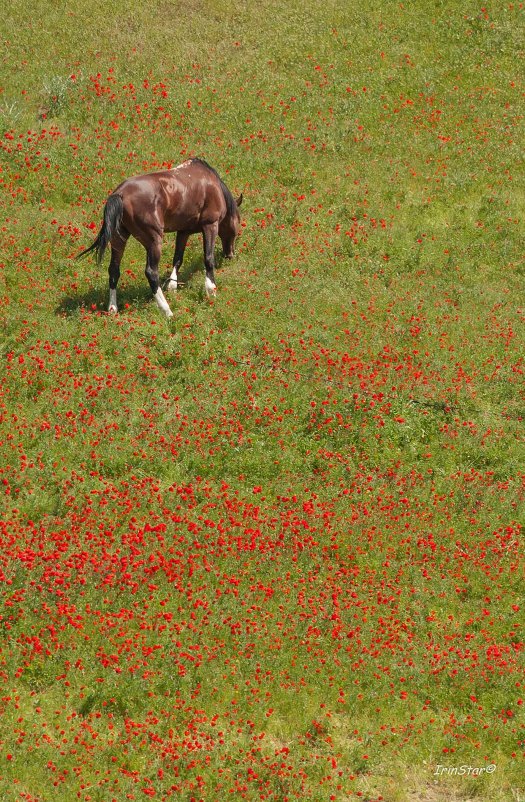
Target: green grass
(272, 549)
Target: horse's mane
(228, 197)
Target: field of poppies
(273, 548)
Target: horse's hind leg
(180, 247)
(209, 234)
(152, 274)
(117, 250)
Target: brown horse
(188, 199)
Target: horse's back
(182, 198)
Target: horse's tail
(111, 224)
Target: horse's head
(229, 230)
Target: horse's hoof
(112, 309)
(171, 286)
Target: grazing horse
(188, 199)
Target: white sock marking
(172, 282)
(162, 303)
(112, 308)
(211, 289)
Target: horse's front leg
(180, 247)
(152, 274)
(117, 250)
(209, 235)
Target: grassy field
(271, 550)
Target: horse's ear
(239, 200)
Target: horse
(189, 199)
